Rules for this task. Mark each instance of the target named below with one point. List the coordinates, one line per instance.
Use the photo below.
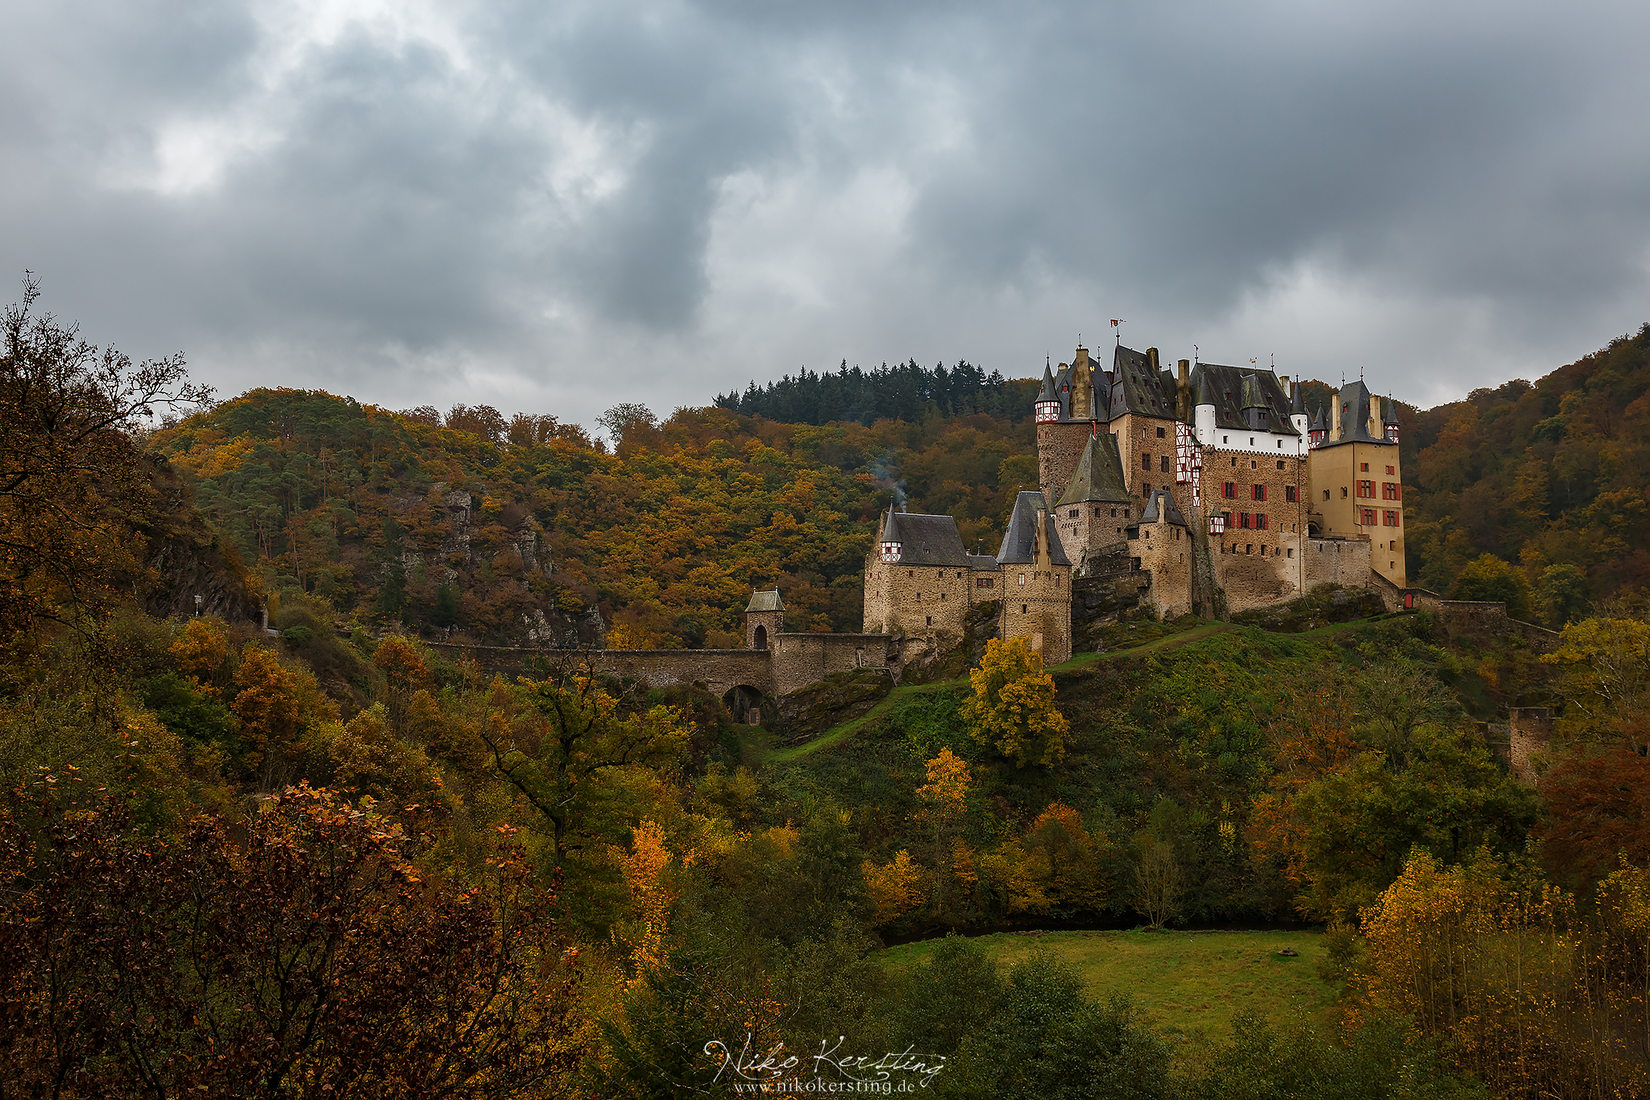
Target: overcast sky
(557, 206)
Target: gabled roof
(765, 601)
(925, 540)
(1020, 540)
(1162, 507)
(1137, 388)
(1099, 473)
(1244, 399)
(983, 563)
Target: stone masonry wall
(1257, 566)
(1529, 734)
(1059, 446)
(1166, 551)
(1038, 610)
(803, 659)
(919, 601)
(1342, 561)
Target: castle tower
(1161, 543)
(1356, 481)
(764, 619)
(1036, 581)
(1072, 400)
(1096, 508)
(918, 578)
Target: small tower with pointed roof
(1036, 581)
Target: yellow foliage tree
(278, 705)
(202, 654)
(1013, 708)
(642, 936)
(895, 887)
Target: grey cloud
(1045, 163)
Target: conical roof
(1047, 393)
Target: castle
(1213, 484)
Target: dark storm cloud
(537, 205)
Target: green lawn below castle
(1189, 985)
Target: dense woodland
(322, 859)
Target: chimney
(1335, 419)
(1185, 372)
(1081, 359)
(1376, 426)
(1151, 359)
(1288, 390)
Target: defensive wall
(1463, 617)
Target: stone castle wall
(916, 600)
(1257, 566)
(1059, 446)
(1342, 561)
(803, 659)
(1166, 550)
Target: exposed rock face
(1323, 605)
(840, 697)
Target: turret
(891, 549)
(764, 617)
(1048, 401)
(1317, 432)
(1391, 421)
(1297, 407)
(1203, 413)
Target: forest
(316, 855)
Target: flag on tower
(1115, 321)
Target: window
(1389, 518)
(1290, 494)
(1289, 553)
(1243, 520)
(1163, 464)
(1251, 441)
(1343, 492)
(984, 582)
(1072, 514)
(1363, 467)
(1391, 490)
(1113, 512)
(1366, 490)
(1145, 461)
(1326, 493)
(1160, 433)
(919, 597)
(1280, 461)
(929, 620)
(1260, 521)
(1022, 580)
(1248, 548)
(1146, 491)
(1257, 492)
(1229, 490)
(1390, 471)
(1059, 581)
(1227, 439)
(1366, 517)
(1024, 609)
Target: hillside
(1552, 476)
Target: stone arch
(747, 704)
(760, 637)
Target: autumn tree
(1012, 708)
(72, 483)
(1604, 666)
(565, 745)
(279, 706)
(301, 954)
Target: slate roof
(1099, 473)
(983, 563)
(1137, 388)
(1058, 387)
(1020, 540)
(1162, 507)
(925, 540)
(1354, 399)
(1245, 399)
(765, 601)
(1391, 413)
